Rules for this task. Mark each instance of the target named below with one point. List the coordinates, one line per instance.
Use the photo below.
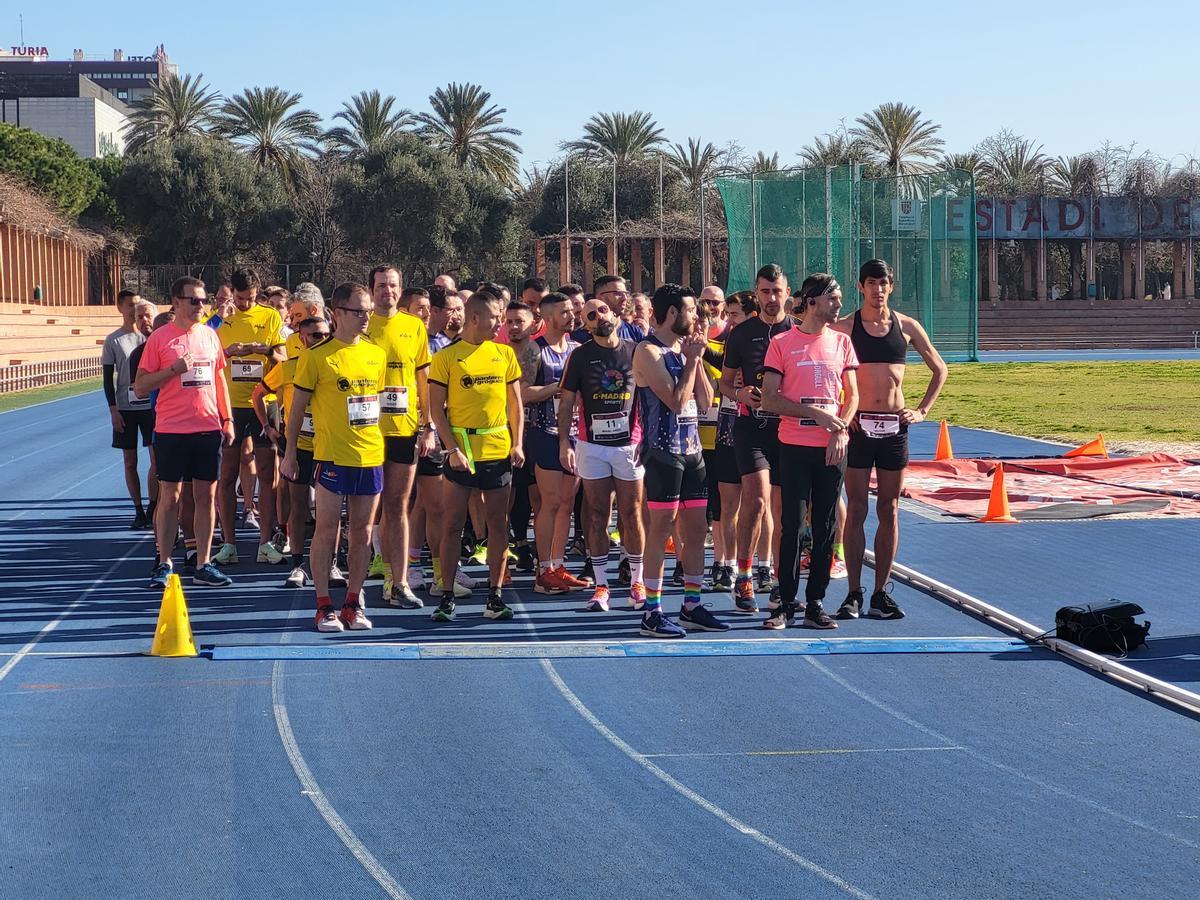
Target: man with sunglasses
(279, 381)
(193, 421)
(613, 293)
(343, 379)
(598, 384)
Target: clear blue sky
(769, 75)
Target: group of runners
(390, 417)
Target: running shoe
(496, 609)
(614, 538)
(355, 618)
(656, 625)
(416, 577)
(773, 602)
(698, 618)
(624, 571)
(525, 561)
(297, 578)
(140, 522)
(269, 554)
(677, 575)
(743, 597)
(708, 539)
(403, 597)
(762, 579)
(884, 607)
(281, 542)
(637, 596)
(805, 561)
(226, 556)
(375, 570)
(336, 577)
(461, 592)
(588, 574)
(389, 585)
(189, 563)
(510, 555)
(464, 580)
(577, 547)
(573, 582)
(479, 554)
(816, 617)
(599, 601)
(851, 607)
(548, 581)
(444, 611)
(208, 575)
(724, 580)
(837, 568)
(250, 521)
(160, 574)
(780, 619)
(327, 620)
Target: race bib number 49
(394, 400)
(363, 409)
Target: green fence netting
(832, 220)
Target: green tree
(621, 136)
(1075, 176)
(837, 148)
(696, 163)
(473, 133)
(50, 166)
(590, 195)
(970, 161)
(370, 123)
(266, 124)
(103, 208)
(197, 201)
(897, 139)
(175, 107)
(764, 163)
(1012, 165)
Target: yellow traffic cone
(173, 634)
(1093, 447)
(944, 450)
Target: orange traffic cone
(998, 510)
(944, 450)
(1091, 448)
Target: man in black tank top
(879, 433)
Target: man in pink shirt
(809, 381)
(193, 420)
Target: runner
(193, 420)
(639, 312)
(280, 380)
(342, 379)
(129, 413)
(475, 402)
(613, 292)
(519, 325)
(712, 324)
(671, 389)
(250, 338)
(542, 361)
(879, 433)
(806, 370)
(598, 386)
(756, 435)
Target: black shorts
(188, 457)
(756, 446)
(433, 465)
(673, 478)
(724, 462)
(135, 420)
(401, 450)
(887, 453)
(489, 476)
(541, 449)
(523, 477)
(714, 492)
(246, 425)
(304, 467)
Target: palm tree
(269, 128)
(473, 133)
(897, 139)
(621, 136)
(971, 161)
(1015, 167)
(836, 149)
(175, 106)
(1075, 176)
(370, 123)
(764, 163)
(696, 163)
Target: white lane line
(18, 409)
(103, 471)
(684, 791)
(50, 626)
(996, 764)
(71, 440)
(830, 751)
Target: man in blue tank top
(671, 390)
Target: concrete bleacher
(46, 345)
(1088, 324)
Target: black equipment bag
(1102, 627)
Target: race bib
(763, 414)
(246, 371)
(611, 426)
(729, 406)
(135, 400)
(690, 412)
(198, 376)
(822, 403)
(879, 425)
(710, 415)
(363, 409)
(306, 426)
(394, 400)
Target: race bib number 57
(363, 409)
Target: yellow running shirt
(476, 378)
(257, 325)
(345, 381)
(708, 419)
(280, 381)
(404, 339)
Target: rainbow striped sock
(691, 590)
(653, 594)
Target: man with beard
(130, 414)
(806, 370)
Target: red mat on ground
(961, 487)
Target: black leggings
(806, 481)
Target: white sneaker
(297, 578)
(461, 592)
(461, 577)
(226, 556)
(251, 521)
(416, 578)
(270, 555)
(336, 578)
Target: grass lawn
(19, 399)
(1127, 401)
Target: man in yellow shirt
(475, 404)
(403, 420)
(250, 338)
(341, 381)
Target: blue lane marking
(630, 649)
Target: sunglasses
(194, 300)
(598, 311)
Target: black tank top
(891, 348)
